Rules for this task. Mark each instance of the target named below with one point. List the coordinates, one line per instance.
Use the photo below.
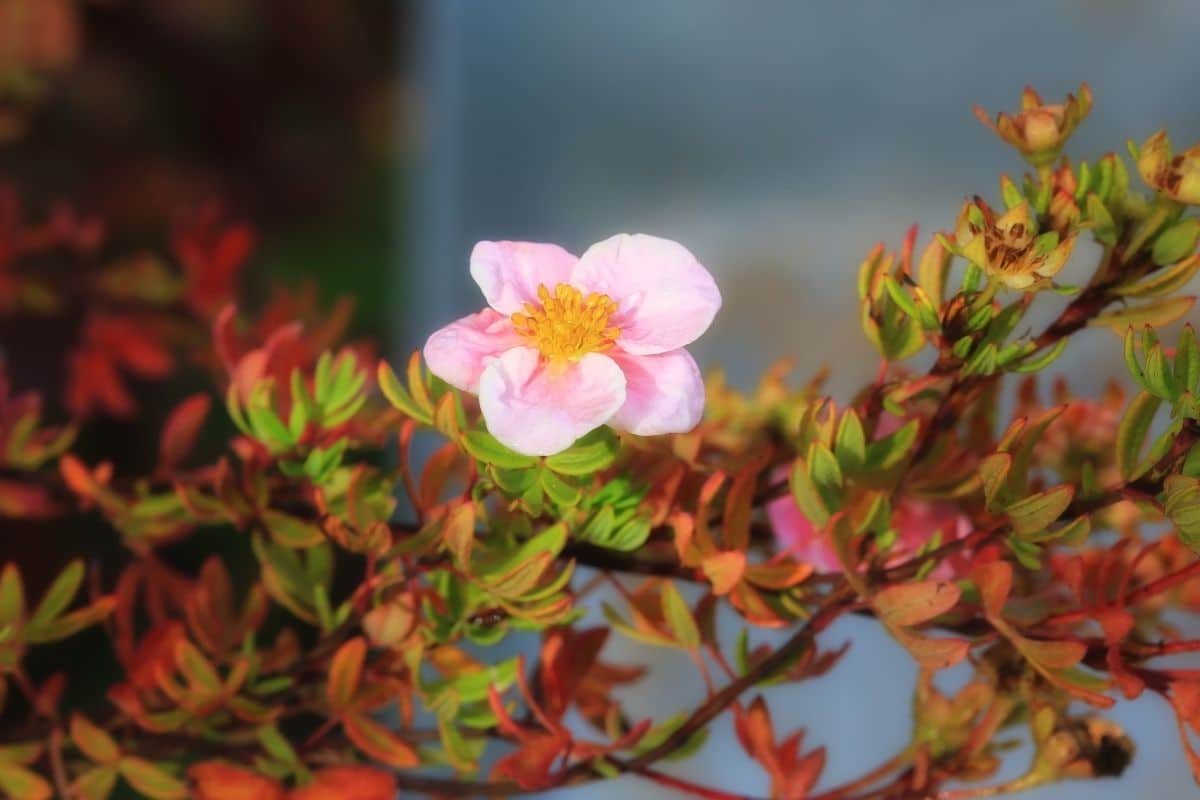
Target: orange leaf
(94, 742)
(376, 741)
(994, 580)
(345, 672)
(724, 570)
(77, 476)
(935, 653)
(530, 765)
(348, 783)
(216, 780)
(914, 603)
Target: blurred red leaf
(181, 429)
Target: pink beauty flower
(570, 344)
(915, 521)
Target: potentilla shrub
(376, 541)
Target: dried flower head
(1173, 175)
(1008, 247)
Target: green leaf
(12, 596)
(488, 449)
(399, 397)
(1159, 378)
(1187, 361)
(1131, 360)
(1131, 433)
(291, 531)
(679, 617)
(1162, 282)
(591, 453)
(806, 494)
(60, 594)
(889, 451)
(277, 745)
(851, 444)
(982, 361)
(560, 491)
(1043, 359)
(1159, 312)
(1100, 221)
(1181, 502)
(152, 781)
(994, 471)
(267, 426)
(198, 670)
(826, 474)
(550, 541)
(1176, 242)
(630, 536)
(19, 783)
(1036, 513)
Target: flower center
(568, 325)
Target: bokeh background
(372, 142)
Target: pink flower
(569, 344)
(915, 521)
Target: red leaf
(567, 655)
(181, 429)
(531, 764)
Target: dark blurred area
(289, 117)
(288, 113)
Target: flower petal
(456, 352)
(665, 298)
(540, 408)
(664, 393)
(509, 273)
(798, 537)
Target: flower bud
(388, 625)
(1039, 130)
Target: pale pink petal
(456, 352)
(799, 537)
(665, 298)
(540, 408)
(663, 393)
(918, 521)
(509, 273)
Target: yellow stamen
(568, 325)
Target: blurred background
(371, 143)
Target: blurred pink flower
(569, 344)
(915, 522)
